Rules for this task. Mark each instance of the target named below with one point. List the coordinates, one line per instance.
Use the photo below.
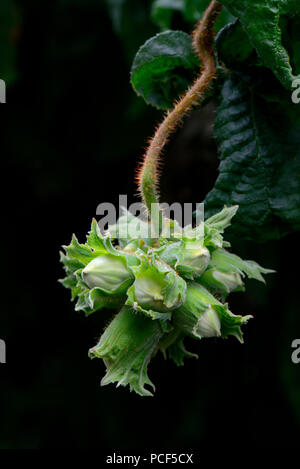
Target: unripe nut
(107, 272)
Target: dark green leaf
(259, 143)
(164, 68)
(261, 21)
(234, 48)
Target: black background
(72, 132)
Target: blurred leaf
(163, 10)
(9, 29)
(131, 22)
(258, 137)
(115, 8)
(195, 8)
(164, 67)
(191, 10)
(260, 19)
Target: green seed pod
(221, 282)
(197, 317)
(97, 273)
(202, 315)
(189, 257)
(107, 272)
(157, 289)
(149, 292)
(194, 256)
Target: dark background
(72, 132)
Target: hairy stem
(148, 172)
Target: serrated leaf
(80, 252)
(177, 352)
(215, 225)
(259, 144)
(70, 282)
(172, 346)
(94, 238)
(93, 300)
(261, 21)
(221, 220)
(164, 67)
(70, 264)
(231, 323)
(229, 263)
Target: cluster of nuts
(163, 290)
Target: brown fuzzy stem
(203, 38)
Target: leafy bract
(127, 346)
(228, 262)
(172, 346)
